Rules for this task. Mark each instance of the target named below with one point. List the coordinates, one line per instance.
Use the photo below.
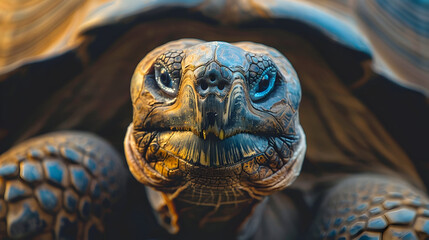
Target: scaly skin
(373, 207)
(59, 186)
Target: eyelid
(269, 68)
(170, 91)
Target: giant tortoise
(216, 139)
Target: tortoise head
(215, 119)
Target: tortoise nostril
(221, 86)
(212, 77)
(204, 85)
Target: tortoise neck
(184, 218)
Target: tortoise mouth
(209, 152)
(259, 164)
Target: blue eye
(264, 84)
(164, 80)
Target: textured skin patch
(70, 200)
(396, 233)
(422, 225)
(15, 190)
(49, 198)
(374, 207)
(79, 179)
(356, 228)
(35, 154)
(31, 171)
(377, 223)
(172, 61)
(401, 216)
(70, 154)
(56, 172)
(50, 193)
(90, 164)
(8, 170)
(25, 218)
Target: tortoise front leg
(373, 207)
(58, 186)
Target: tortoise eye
(264, 84)
(164, 80)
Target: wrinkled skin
(216, 122)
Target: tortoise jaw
(169, 148)
(257, 175)
(208, 152)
